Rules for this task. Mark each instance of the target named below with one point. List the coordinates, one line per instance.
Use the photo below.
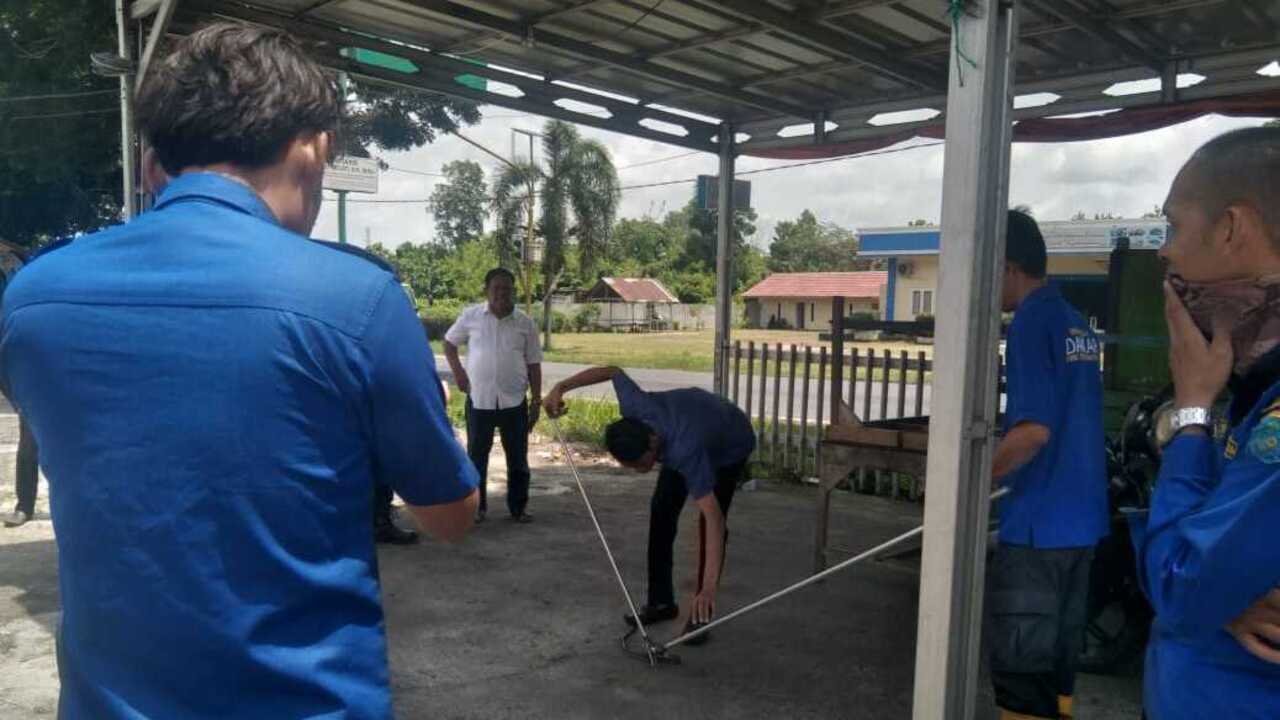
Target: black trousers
(1038, 601)
(512, 425)
(382, 497)
(28, 469)
(668, 500)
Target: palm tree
(578, 182)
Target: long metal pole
(128, 162)
(974, 209)
(724, 259)
(631, 605)
(860, 557)
(342, 216)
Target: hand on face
(1200, 369)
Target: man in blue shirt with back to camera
(214, 396)
(702, 442)
(1208, 556)
(1052, 459)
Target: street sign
(709, 191)
(352, 174)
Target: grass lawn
(689, 350)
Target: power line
(682, 181)
(414, 172)
(56, 96)
(76, 113)
(660, 160)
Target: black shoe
(480, 515)
(650, 614)
(701, 639)
(523, 518)
(388, 534)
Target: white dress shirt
(499, 353)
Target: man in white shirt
(504, 363)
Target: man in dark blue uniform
(214, 397)
(1052, 460)
(702, 442)
(1208, 556)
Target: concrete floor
(523, 621)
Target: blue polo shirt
(213, 397)
(1059, 498)
(1207, 551)
(701, 432)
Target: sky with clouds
(1126, 176)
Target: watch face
(1164, 424)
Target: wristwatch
(1181, 419)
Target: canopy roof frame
(856, 50)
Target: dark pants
(382, 497)
(512, 425)
(28, 469)
(1038, 605)
(668, 500)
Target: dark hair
(498, 272)
(627, 439)
(232, 93)
(1024, 245)
(1241, 166)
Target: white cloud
(1126, 176)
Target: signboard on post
(708, 193)
(352, 174)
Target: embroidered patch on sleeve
(1264, 443)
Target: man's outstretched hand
(553, 403)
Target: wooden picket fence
(772, 382)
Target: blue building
(1079, 256)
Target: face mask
(1251, 308)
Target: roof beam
(447, 67)
(693, 43)
(530, 21)
(834, 42)
(159, 27)
(1100, 29)
(533, 106)
(139, 9)
(587, 51)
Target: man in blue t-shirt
(214, 396)
(1207, 553)
(702, 442)
(1052, 459)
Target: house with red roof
(803, 301)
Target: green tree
(580, 184)
(703, 231)
(467, 265)
(424, 268)
(60, 157)
(806, 245)
(460, 203)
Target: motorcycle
(1119, 614)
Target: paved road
(651, 379)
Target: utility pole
(343, 85)
(525, 265)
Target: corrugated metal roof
(773, 67)
(820, 284)
(636, 290)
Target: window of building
(921, 302)
(812, 310)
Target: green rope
(956, 9)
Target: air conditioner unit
(906, 269)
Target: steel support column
(974, 203)
(128, 145)
(724, 259)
